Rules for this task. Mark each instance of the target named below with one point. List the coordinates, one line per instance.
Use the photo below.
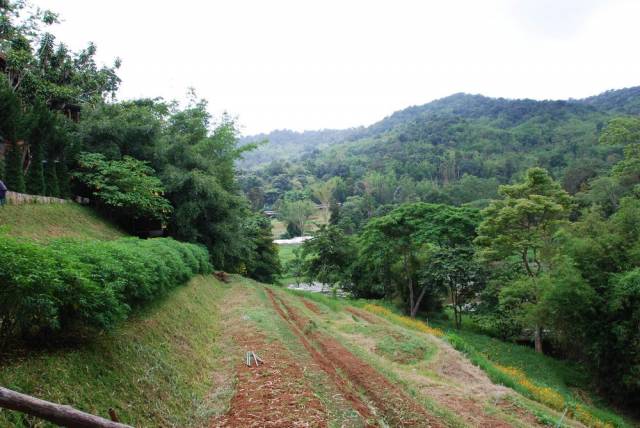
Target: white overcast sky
(301, 64)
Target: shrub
(71, 286)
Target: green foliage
(455, 270)
(70, 287)
(13, 169)
(165, 355)
(263, 262)
(296, 214)
(394, 247)
(127, 188)
(328, 256)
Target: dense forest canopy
(426, 152)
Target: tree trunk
(412, 308)
(537, 337)
(62, 415)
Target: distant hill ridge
(503, 112)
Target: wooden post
(59, 414)
(113, 415)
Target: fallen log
(59, 414)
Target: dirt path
(275, 394)
(396, 407)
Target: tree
(263, 262)
(404, 237)
(522, 224)
(297, 213)
(327, 256)
(11, 130)
(455, 269)
(324, 192)
(127, 188)
(295, 266)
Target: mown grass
(44, 222)
(553, 382)
(155, 370)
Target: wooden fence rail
(59, 414)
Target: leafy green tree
(624, 307)
(324, 193)
(522, 224)
(131, 128)
(296, 213)
(127, 188)
(13, 168)
(263, 262)
(295, 266)
(195, 160)
(328, 256)
(455, 270)
(404, 237)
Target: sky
(300, 64)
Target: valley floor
(182, 363)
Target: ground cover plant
(72, 288)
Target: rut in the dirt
(342, 385)
(274, 394)
(395, 406)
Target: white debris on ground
(318, 287)
(314, 287)
(296, 240)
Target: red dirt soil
(362, 314)
(342, 385)
(397, 408)
(273, 394)
(311, 306)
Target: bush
(71, 286)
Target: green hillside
(455, 150)
(43, 222)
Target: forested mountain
(477, 140)
(499, 113)
(285, 144)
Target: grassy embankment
(154, 370)
(43, 222)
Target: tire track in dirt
(351, 396)
(311, 306)
(274, 394)
(397, 407)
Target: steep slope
(41, 222)
(158, 369)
